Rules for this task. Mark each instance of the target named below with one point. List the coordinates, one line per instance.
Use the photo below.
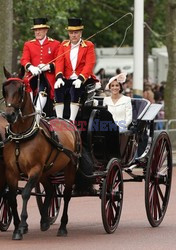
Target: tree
(170, 90)
(154, 26)
(6, 35)
(96, 16)
(99, 14)
(24, 12)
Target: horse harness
(51, 138)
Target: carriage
(140, 152)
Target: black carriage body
(103, 139)
(115, 152)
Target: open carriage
(139, 148)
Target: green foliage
(158, 36)
(96, 15)
(99, 14)
(56, 11)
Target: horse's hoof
(44, 226)
(17, 235)
(62, 233)
(23, 230)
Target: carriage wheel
(158, 179)
(112, 196)
(5, 214)
(54, 208)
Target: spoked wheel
(5, 214)
(112, 196)
(54, 208)
(158, 179)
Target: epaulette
(66, 43)
(50, 39)
(83, 44)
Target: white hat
(121, 78)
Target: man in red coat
(36, 58)
(74, 68)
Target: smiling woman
(119, 105)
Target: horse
(11, 203)
(32, 151)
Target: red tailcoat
(85, 62)
(34, 53)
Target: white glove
(58, 83)
(34, 70)
(97, 85)
(77, 83)
(44, 67)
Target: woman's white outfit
(121, 111)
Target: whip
(98, 32)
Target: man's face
(40, 33)
(75, 36)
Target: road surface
(85, 228)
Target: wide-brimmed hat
(40, 23)
(120, 78)
(74, 24)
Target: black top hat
(40, 23)
(75, 24)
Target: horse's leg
(45, 220)
(69, 181)
(23, 226)
(12, 200)
(12, 182)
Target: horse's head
(13, 90)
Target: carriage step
(99, 174)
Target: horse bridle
(22, 92)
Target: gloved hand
(44, 67)
(77, 83)
(34, 70)
(97, 85)
(58, 83)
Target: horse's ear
(21, 72)
(6, 73)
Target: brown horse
(31, 152)
(11, 203)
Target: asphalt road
(86, 229)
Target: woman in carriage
(118, 104)
(117, 117)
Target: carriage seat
(139, 106)
(87, 97)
